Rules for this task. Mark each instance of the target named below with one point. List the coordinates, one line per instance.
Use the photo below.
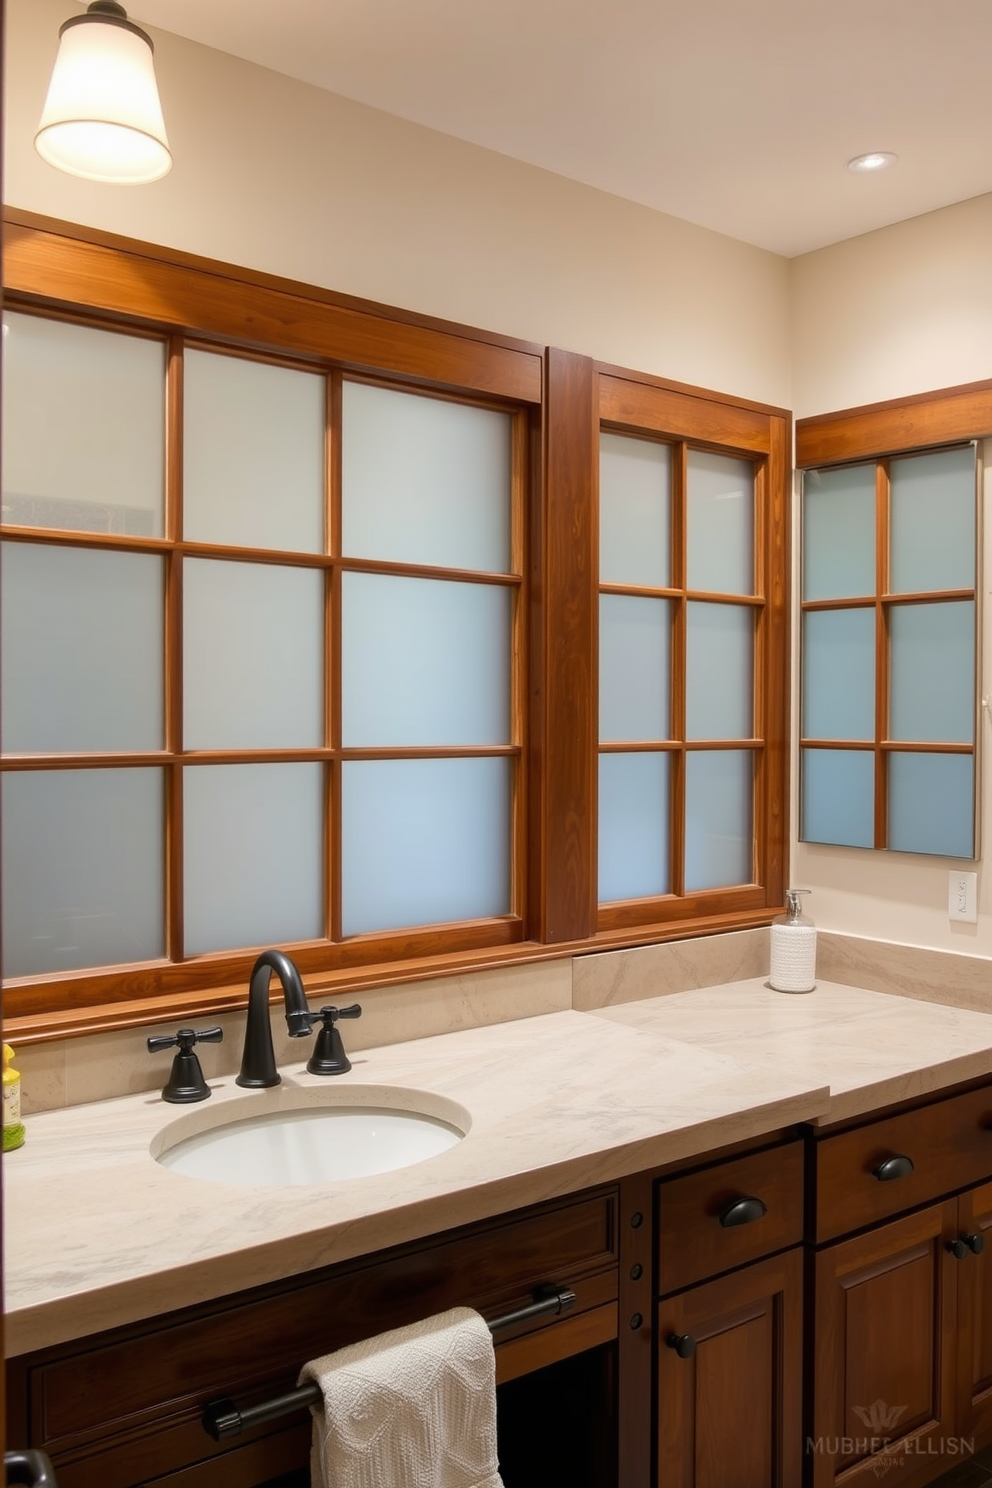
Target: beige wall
(283, 177)
(902, 310)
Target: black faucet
(258, 1063)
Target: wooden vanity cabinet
(124, 1408)
(974, 1320)
(729, 1341)
(835, 1319)
(901, 1348)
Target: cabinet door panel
(731, 1412)
(974, 1362)
(903, 1370)
(884, 1357)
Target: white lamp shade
(102, 118)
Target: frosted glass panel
(82, 649)
(839, 674)
(82, 869)
(83, 428)
(720, 524)
(424, 841)
(254, 856)
(931, 804)
(933, 672)
(635, 663)
(933, 521)
(253, 454)
(252, 656)
(635, 485)
(424, 661)
(718, 805)
(838, 796)
(424, 481)
(719, 672)
(633, 826)
(839, 532)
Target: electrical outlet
(962, 897)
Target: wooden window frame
(874, 434)
(559, 400)
(646, 408)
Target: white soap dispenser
(793, 948)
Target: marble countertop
(870, 1049)
(98, 1234)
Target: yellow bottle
(13, 1126)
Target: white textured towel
(415, 1408)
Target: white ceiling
(736, 114)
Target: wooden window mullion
(519, 657)
(173, 654)
(680, 627)
(566, 899)
(762, 681)
(882, 584)
(332, 662)
(772, 803)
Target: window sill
(32, 1027)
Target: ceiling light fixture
(875, 160)
(102, 118)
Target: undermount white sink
(311, 1141)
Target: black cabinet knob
(893, 1167)
(966, 1245)
(683, 1343)
(31, 1468)
(742, 1211)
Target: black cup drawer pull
(893, 1167)
(742, 1211)
(683, 1343)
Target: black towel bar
(222, 1418)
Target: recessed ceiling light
(875, 160)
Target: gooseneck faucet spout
(258, 1063)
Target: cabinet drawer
(949, 1145)
(197, 1461)
(704, 1227)
(255, 1346)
